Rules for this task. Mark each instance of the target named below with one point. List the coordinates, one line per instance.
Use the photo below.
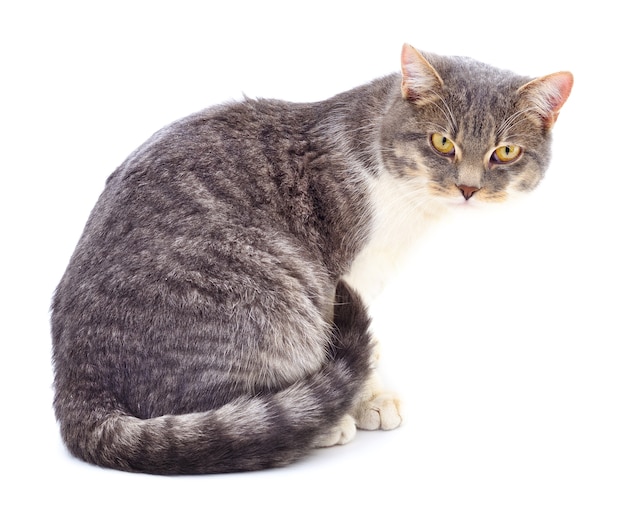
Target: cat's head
(471, 131)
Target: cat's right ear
(420, 81)
(545, 96)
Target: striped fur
(204, 323)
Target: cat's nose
(467, 191)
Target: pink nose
(467, 191)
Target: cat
(212, 317)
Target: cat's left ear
(420, 81)
(546, 95)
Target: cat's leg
(377, 407)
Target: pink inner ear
(562, 84)
(548, 94)
(419, 78)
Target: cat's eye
(442, 144)
(506, 154)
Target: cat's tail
(247, 434)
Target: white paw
(382, 411)
(342, 433)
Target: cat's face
(469, 132)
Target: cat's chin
(460, 203)
(478, 202)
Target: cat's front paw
(381, 411)
(341, 434)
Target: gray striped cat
(211, 318)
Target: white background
(505, 335)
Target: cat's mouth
(469, 196)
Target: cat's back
(231, 157)
(220, 140)
(228, 192)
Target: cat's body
(203, 324)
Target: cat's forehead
(458, 71)
(478, 97)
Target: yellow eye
(507, 153)
(442, 144)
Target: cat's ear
(546, 95)
(420, 81)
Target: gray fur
(202, 324)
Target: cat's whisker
(511, 122)
(447, 112)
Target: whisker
(444, 108)
(511, 122)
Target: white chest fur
(402, 210)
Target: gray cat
(211, 320)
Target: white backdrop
(505, 334)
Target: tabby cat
(211, 318)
